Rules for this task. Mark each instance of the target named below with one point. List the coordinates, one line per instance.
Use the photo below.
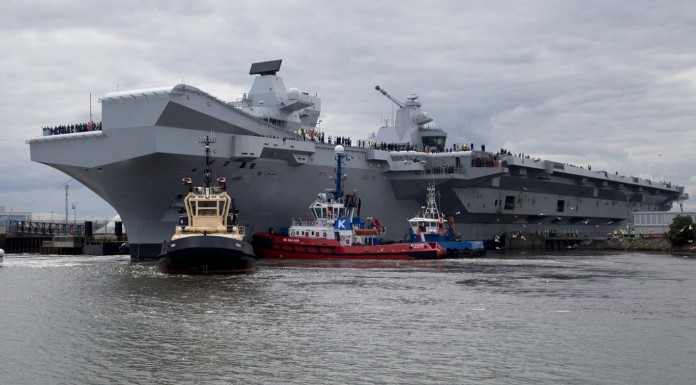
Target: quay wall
(636, 244)
(557, 243)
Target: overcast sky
(606, 83)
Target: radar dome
(293, 93)
(339, 149)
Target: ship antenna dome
(293, 94)
(339, 149)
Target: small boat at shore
(338, 232)
(429, 226)
(208, 239)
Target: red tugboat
(208, 241)
(338, 232)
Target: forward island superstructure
(270, 148)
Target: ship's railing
(303, 222)
(458, 169)
(213, 190)
(431, 128)
(57, 229)
(236, 229)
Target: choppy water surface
(523, 319)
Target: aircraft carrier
(275, 158)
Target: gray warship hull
(149, 139)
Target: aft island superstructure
(270, 148)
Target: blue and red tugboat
(431, 226)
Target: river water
(581, 318)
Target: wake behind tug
(209, 241)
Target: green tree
(682, 230)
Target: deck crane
(398, 103)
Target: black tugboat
(209, 241)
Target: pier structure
(61, 238)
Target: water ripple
(548, 319)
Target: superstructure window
(560, 206)
(276, 122)
(509, 202)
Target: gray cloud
(583, 82)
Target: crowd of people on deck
(311, 135)
(320, 137)
(302, 135)
(507, 152)
(72, 128)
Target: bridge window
(434, 141)
(207, 208)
